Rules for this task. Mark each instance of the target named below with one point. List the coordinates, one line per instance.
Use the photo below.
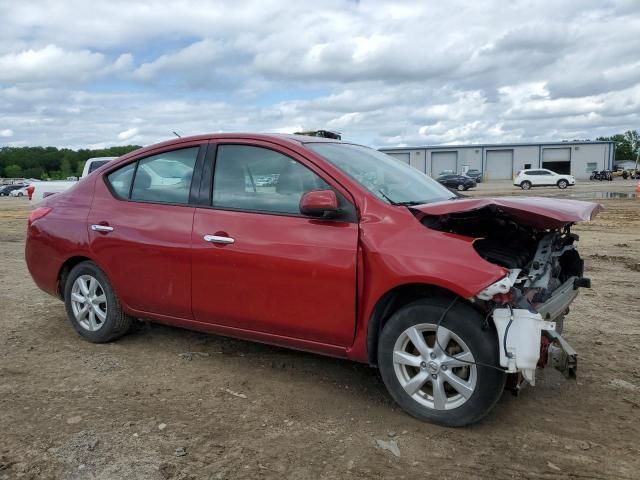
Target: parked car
(40, 190)
(351, 254)
(19, 192)
(474, 174)
(541, 177)
(459, 182)
(6, 190)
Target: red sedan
(324, 246)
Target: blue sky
(91, 74)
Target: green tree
(633, 140)
(627, 144)
(65, 168)
(33, 172)
(13, 171)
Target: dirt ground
(165, 403)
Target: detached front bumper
(558, 304)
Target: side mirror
(320, 204)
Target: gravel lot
(165, 403)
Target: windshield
(384, 176)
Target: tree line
(51, 162)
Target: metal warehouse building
(502, 161)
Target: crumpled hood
(536, 212)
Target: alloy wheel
(431, 377)
(89, 303)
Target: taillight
(30, 190)
(38, 213)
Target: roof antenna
(177, 135)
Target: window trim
(196, 176)
(350, 213)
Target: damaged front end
(531, 238)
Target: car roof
(283, 139)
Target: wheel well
(390, 302)
(64, 272)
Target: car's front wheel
(526, 185)
(562, 184)
(461, 187)
(92, 305)
(445, 381)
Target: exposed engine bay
(529, 304)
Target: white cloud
(128, 134)
(7, 132)
(192, 60)
(48, 64)
(381, 72)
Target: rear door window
(166, 177)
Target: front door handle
(102, 228)
(219, 239)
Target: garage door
(403, 157)
(441, 161)
(557, 159)
(499, 165)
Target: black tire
(464, 322)
(116, 324)
(20, 194)
(526, 185)
(562, 184)
(461, 187)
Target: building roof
(497, 145)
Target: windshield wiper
(408, 203)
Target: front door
(259, 265)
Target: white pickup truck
(39, 190)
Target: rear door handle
(101, 228)
(219, 239)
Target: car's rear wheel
(92, 305)
(461, 187)
(440, 381)
(562, 184)
(526, 185)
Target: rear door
(273, 270)
(140, 227)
